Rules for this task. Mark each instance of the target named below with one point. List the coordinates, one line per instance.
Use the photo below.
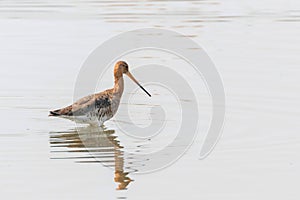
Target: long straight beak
(134, 80)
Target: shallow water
(254, 45)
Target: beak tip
(134, 80)
(148, 93)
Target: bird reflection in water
(92, 145)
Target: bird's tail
(54, 113)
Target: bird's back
(97, 106)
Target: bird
(97, 108)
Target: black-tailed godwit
(100, 107)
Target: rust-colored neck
(119, 83)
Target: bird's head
(121, 67)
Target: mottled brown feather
(87, 104)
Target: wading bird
(97, 108)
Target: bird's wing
(86, 104)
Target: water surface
(255, 47)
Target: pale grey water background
(255, 46)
